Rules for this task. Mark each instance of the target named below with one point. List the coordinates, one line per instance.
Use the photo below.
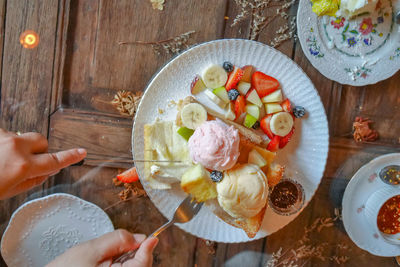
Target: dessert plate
(365, 182)
(362, 51)
(44, 228)
(305, 156)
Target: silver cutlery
(183, 213)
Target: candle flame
(29, 39)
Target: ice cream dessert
(243, 192)
(215, 145)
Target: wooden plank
(26, 81)
(2, 33)
(131, 66)
(377, 102)
(106, 137)
(60, 54)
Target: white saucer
(359, 189)
(44, 228)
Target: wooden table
(63, 89)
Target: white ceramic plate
(44, 228)
(363, 51)
(365, 182)
(307, 152)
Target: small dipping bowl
(287, 197)
(376, 203)
(390, 174)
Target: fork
(183, 213)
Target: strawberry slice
(284, 140)
(234, 78)
(264, 84)
(128, 176)
(264, 125)
(286, 105)
(273, 145)
(240, 106)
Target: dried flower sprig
(127, 102)
(256, 10)
(171, 46)
(158, 4)
(306, 250)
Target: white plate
(364, 182)
(44, 228)
(308, 149)
(363, 51)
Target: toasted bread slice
(250, 225)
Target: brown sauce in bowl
(284, 195)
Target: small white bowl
(373, 206)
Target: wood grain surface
(63, 90)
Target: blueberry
(299, 111)
(256, 125)
(233, 94)
(216, 176)
(227, 66)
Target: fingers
(144, 255)
(113, 244)
(51, 162)
(24, 186)
(35, 141)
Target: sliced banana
(193, 115)
(215, 76)
(281, 123)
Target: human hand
(25, 163)
(100, 251)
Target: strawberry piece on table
(284, 140)
(265, 126)
(128, 176)
(273, 145)
(240, 106)
(234, 78)
(264, 84)
(286, 105)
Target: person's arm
(101, 251)
(25, 163)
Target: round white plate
(305, 156)
(363, 51)
(364, 182)
(44, 228)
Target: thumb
(112, 244)
(144, 255)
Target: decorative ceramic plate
(365, 182)
(44, 228)
(305, 156)
(364, 50)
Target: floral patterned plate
(44, 228)
(364, 50)
(365, 182)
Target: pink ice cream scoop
(215, 145)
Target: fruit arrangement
(230, 156)
(251, 98)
